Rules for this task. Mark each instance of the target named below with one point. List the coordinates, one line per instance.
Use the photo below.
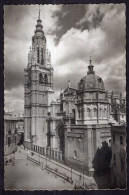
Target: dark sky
(74, 33)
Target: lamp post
(83, 161)
(82, 137)
(39, 157)
(71, 173)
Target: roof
(91, 81)
(69, 90)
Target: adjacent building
(118, 170)
(10, 133)
(13, 132)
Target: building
(75, 127)
(118, 170)
(38, 89)
(20, 127)
(13, 132)
(10, 133)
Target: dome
(91, 81)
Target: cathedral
(74, 126)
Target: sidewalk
(56, 167)
(26, 175)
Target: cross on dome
(90, 67)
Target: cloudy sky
(74, 33)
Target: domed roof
(91, 81)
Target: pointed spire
(39, 13)
(39, 26)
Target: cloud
(73, 33)
(105, 43)
(14, 99)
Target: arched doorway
(61, 135)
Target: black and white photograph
(65, 97)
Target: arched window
(40, 78)
(95, 112)
(79, 113)
(104, 112)
(100, 112)
(37, 54)
(89, 112)
(45, 78)
(42, 56)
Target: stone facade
(74, 127)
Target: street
(28, 175)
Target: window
(42, 56)
(122, 164)
(89, 112)
(100, 112)
(40, 78)
(121, 139)
(46, 78)
(79, 113)
(104, 112)
(9, 141)
(95, 112)
(37, 54)
(75, 154)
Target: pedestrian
(75, 186)
(13, 162)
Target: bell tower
(38, 89)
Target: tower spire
(39, 13)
